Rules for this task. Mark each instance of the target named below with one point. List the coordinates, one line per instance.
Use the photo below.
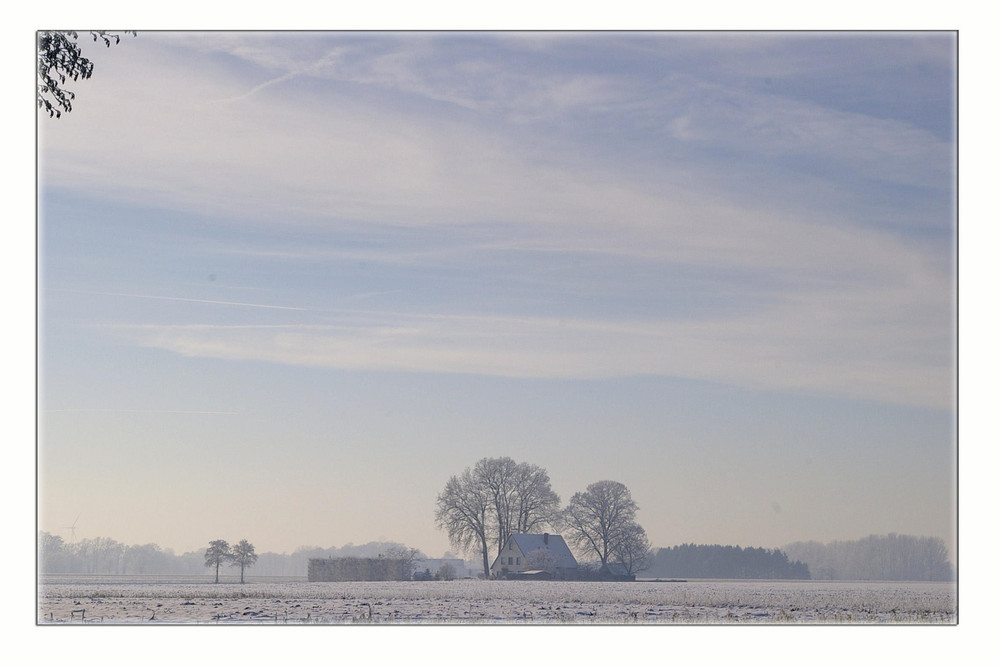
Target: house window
(510, 560)
(518, 560)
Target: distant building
(432, 566)
(535, 556)
(359, 569)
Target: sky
(290, 283)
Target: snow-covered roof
(554, 544)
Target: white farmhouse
(535, 555)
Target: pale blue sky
(291, 282)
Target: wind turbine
(72, 529)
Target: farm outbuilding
(360, 569)
(455, 568)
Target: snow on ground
(130, 601)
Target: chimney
(545, 538)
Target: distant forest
(877, 558)
(714, 561)
(874, 558)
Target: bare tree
(534, 503)
(541, 559)
(100, 555)
(498, 476)
(446, 572)
(54, 554)
(242, 554)
(597, 519)
(217, 554)
(463, 511)
(145, 559)
(407, 557)
(633, 550)
(494, 499)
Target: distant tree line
(715, 561)
(877, 558)
(103, 555)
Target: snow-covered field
(163, 600)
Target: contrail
(325, 60)
(257, 88)
(181, 298)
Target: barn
(359, 569)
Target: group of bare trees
(497, 497)
(219, 553)
(489, 502)
(602, 520)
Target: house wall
(510, 560)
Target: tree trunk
(241, 572)
(216, 571)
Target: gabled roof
(556, 546)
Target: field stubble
(112, 600)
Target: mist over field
(875, 558)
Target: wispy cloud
(386, 160)
(772, 125)
(685, 168)
(157, 297)
(318, 67)
(795, 347)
